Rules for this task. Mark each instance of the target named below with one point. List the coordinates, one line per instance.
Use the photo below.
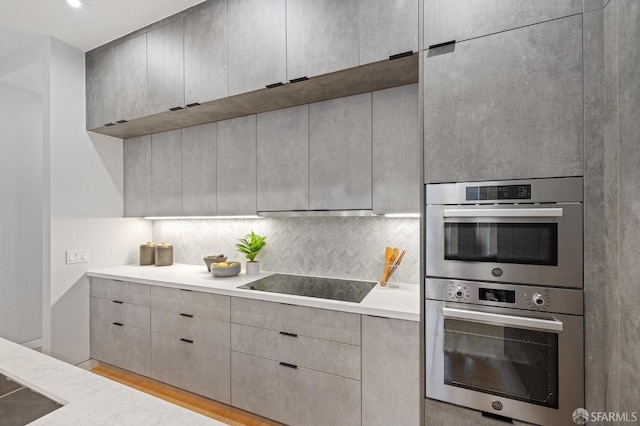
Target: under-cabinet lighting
(74, 3)
(403, 215)
(200, 217)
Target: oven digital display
(502, 192)
(495, 295)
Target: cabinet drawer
(197, 303)
(188, 326)
(196, 367)
(320, 323)
(294, 396)
(137, 294)
(121, 345)
(124, 313)
(316, 354)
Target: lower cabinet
(121, 345)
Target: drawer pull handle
(284, 364)
(186, 340)
(184, 289)
(186, 315)
(284, 333)
(119, 324)
(118, 302)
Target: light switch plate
(77, 256)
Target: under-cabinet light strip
(402, 215)
(199, 217)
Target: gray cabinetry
(166, 173)
(387, 27)
(340, 154)
(257, 44)
(448, 20)
(165, 68)
(236, 181)
(137, 176)
(199, 170)
(205, 54)
(390, 371)
(131, 78)
(505, 106)
(206, 305)
(396, 150)
(101, 88)
(283, 159)
(322, 36)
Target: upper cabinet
(199, 167)
(137, 176)
(322, 36)
(387, 27)
(449, 20)
(205, 54)
(165, 68)
(166, 173)
(131, 78)
(257, 44)
(101, 88)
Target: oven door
(513, 363)
(534, 244)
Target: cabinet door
(396, 150)
(390, 371)
(283, 159)
(322, 36)
(506, 106)
(137, 176)
(257, 44)
(387, 27)
(199, 170)
(166, 173)
(205, 54)
(165, 68)
(101, 88)
(237, 166)
(131, 78)
(447, 20)
(121, 345)
(340, 154)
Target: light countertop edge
(398, 303)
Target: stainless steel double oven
(504, 300)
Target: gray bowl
(230, 271)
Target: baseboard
(88, 365)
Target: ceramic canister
(147, 253)
(164, 254)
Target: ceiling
(25, 22)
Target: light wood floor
(188, 400)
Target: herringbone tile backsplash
(339, 247)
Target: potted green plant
(250, 245)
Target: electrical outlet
(77, 256)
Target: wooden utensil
(388, 255)
(396, 264)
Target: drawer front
(197, 303)
(134, 293)
(293, 396)
(124, 313)
(316, 354)
(123, 346)
(199, 368)
(320, 323)
(188, 326)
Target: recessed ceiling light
(74, 3)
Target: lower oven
(509, 350)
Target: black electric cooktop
(323, 288)
(20, 405)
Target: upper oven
(519, 231)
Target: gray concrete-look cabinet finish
(387, 27)
(322, 36)
(390, 371)
(121, 345)
(122, 291)
(206, 75)
(448, 20)
(257, 44)
(199, 329)
(439, 413)
(137, 176)
(506, 106)
(340, 154)
(199, 368)
(396, 150)
(131, 78)
(283, 159)
(124, 313)
(207, 305)
(199, 170)
(293, 396)
(165, 68)
(236, 181)
(101, 88)
(166, 173)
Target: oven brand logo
(582, 416)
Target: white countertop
(399, 303)
(88, 399)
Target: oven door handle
(504, 320)
(541, 212)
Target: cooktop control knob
(537, 299)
